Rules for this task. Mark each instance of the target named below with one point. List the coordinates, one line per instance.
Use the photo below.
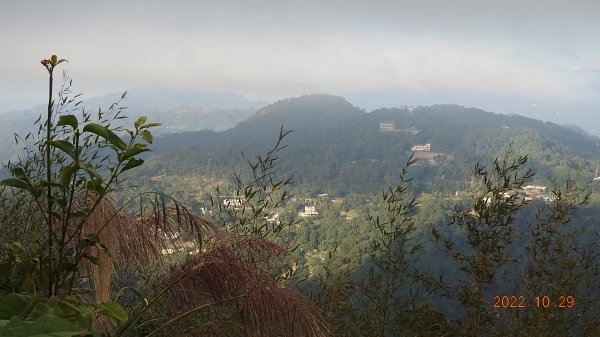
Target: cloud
(273, 49)
(284, 65)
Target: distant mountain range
(177, 110)
(337, 144)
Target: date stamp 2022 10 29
(545, 302)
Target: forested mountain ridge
(311, 115)
(335, 144)
(342, 158)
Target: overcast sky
(498, 55)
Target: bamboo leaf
(146, 135)
(150, 125)
(140, 121)
(106, 134)
(132, 163)
(63, 145)
(16, 183)
(66, 173)
(18, 172)
(134, 151)
(114, 311)
(69, 120)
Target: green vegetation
(340, 148)
(75, 264)
(339, 159)
(100, 237)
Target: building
(412, 130)
(308, 211)
(273, 218)
(391, 127)
(534, 189)
(532, 192)
(233, 202)
(421, 148)
(387, 126)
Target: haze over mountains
(314, 115)
(161, 101)
(327, 128)
(337, 145)
(178, 111)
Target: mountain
(178, 111)
(154, 99)
(311, 116)
(181, 110)
(337, 145)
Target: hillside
(177, 110)
(337, 146)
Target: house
(391, 127)
(273, 218)
(308, 211)
(412, 130)
(534, 189)
(387, 126)
(421, 148)
(232, 202)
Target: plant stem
(49, 188)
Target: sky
(539, 58)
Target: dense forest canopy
(336, 145)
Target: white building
(387, 126)
(535, 188)
(308, 211)
(232, 202)
(421, 148)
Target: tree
(64, 241)
(385, 301)
(561, 268)
(487, 226)
(527, 270)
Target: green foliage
(253, 207)
(44, 326)
(384, 300)
(30, 315)
(64, 240)
(500, 253)
(563, 261)
(334, 245)
(487, 225)
(34, 264)
(62, 236)
(392, 254)
(338, 148)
